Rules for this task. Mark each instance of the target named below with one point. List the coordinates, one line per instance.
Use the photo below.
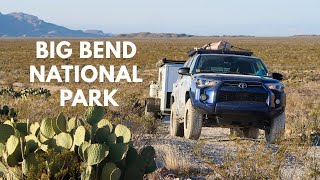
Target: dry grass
(175, 161)
(298, 58)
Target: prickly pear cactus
(104, 150)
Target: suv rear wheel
(276, 129)
(192, 122)
(176, 128)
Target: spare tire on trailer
(192, 122)
(277, 128)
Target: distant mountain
(25, 25)
(152, 35)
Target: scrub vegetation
(298, 58)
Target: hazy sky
(202, 17)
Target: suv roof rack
(166, 61)
(210, 51)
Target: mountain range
(25, 25)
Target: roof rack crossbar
(210, 51)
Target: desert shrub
(253, 161)
(131, 113)
(46, 162)
(25, 92)
(7, 113)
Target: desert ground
(216, 155)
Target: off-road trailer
(158, 103)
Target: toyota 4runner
(224, 88)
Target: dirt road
(200, 159)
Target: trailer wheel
(192, 122)
(176, 128)
(276, 129)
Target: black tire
(192, 122)
(176, 128)
(148, 113)
(251, 132)
(277, 128)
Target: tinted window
(230, 65)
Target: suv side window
(193, 63)
(188, 63)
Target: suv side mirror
(277, 76)
(184, 71)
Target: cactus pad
(64, 140)
(5, 132)
(110, 172)
(80, 135)
(105, 123)
(59, 124)
(122, 133)
(3, 168)
(72, 124)
(101, 135)
(12, 144)
(22, 127)
(94, 114)
(118, 151)
(46, 128)
(82, 149)
(96, 153)
(14, 151)
(35, 128)
(9, 123)
(31, 143)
